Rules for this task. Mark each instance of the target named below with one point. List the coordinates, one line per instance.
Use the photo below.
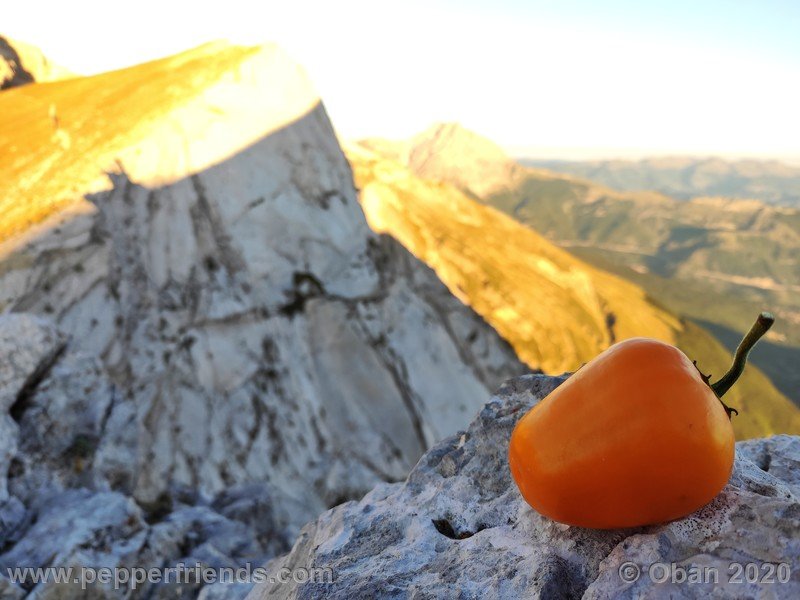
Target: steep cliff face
(458, 525)
(252, 327)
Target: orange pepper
(636, 436)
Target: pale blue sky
(561, 78)
(768, 27)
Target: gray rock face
(324, 370)
(79, 528)
(228, 347)
(59, 507)
(252, 326)
(23, 365)
(458, 527)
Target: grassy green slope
(721, 309)
(556, 310)
(715, 261)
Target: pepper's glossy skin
(634, 437)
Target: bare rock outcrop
(255, 329)
(216, 330)
(459, 527)
(58, 506)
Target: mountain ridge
(450, 151)
(66, 165)
(249, 328)
(717, 261)
(554, 309)
(771, 181)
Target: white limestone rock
(29, 345)
(229, 346)
(458, 526)
(28, 348)
(252, 327)
(225, 591)
(60, 509)
(79, 528)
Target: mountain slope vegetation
(556, 310)
(716, 260)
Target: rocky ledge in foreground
(458, 527)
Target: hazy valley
(714, 260)
(685, 178)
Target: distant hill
(718, 261)
(770, 181)
(556, 310)
(22, 63)
(449, 151)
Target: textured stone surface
(79, 528)
(10, 591)
(229, 350)
(459, 527)
(252, 326)
(30, 345)
(225, 591)
(60, 507)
